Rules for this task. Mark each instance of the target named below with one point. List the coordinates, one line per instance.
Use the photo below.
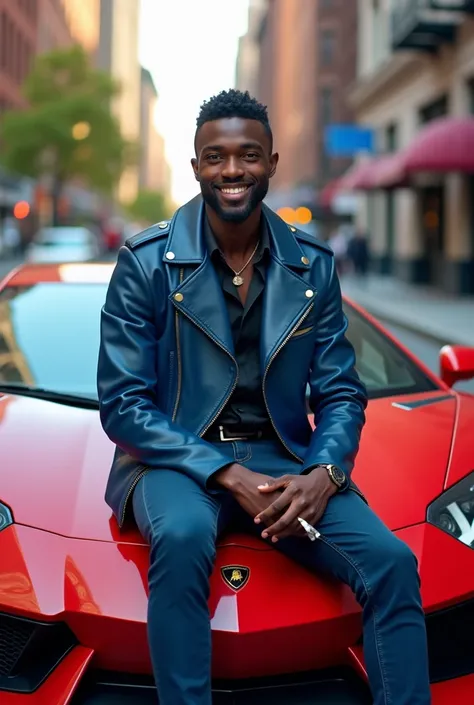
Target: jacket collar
(187, 243)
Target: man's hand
(304, 496)
(245, 486)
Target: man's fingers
(275, 485)
(274, 509)
(284, 525)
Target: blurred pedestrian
(358, 253)
(338, 242)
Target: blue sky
(190, 47)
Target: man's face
(233, 166)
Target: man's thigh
(354, 546)
(167, 502)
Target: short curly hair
(234, 103)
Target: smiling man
(213, 328)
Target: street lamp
(81, 130)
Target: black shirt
(245, 410)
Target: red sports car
(73, 588)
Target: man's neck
(235, 238)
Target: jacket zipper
(282, 344)
(178, 354)
(143, 469)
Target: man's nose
(232, 168)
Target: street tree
(150, 207)
(68, 131)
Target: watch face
(338, 474)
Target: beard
(237, 213)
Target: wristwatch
(336, 475)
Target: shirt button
(309, 293)
(170, 255)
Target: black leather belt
(226, 435)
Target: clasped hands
(276, 504)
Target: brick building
(18, 37)
(307, 63)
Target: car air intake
(29, 651)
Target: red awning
(329, 192)
(358, 177)
(444, 145)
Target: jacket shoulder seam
(154, 232)
(311, 240)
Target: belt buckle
(227, 440)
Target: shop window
(432, 111)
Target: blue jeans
(181, 521)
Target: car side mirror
(456, 363)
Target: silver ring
(313, 534)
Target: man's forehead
(234, 130)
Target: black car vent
(29, 651)
(450, 635)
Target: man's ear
(194, 164)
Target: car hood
(55, 462)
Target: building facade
(118, 55)
(154, 174)
(18, 39)
(410, 74)
(248, 57)
(307, 63)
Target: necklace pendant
(238, 281)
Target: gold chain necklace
(238, 280)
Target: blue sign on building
(348, 140)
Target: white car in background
(63, 244)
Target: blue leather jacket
(166, 363)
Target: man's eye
(213, 157)
(251, 155)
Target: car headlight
(453, 511)
(6, 518)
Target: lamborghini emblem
(235, 576)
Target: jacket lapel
(287, 296)
(199, 297)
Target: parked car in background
(63, 244)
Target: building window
(3, 41)
(328, 45)
(434, 110)
(326, 106)
(391, 138)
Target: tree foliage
(150, 207)
(62, 91)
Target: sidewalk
(445, 319)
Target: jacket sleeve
(127, 379)
(338, 398)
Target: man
(213, 327)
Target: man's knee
(394, 564)
(183, 540)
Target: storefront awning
(444, 145)
(359, 177)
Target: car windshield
(62, 236)
(50, 333)
(383, 366)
